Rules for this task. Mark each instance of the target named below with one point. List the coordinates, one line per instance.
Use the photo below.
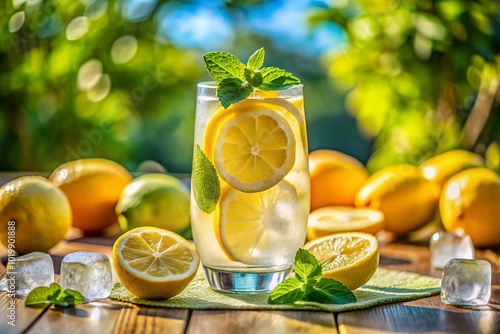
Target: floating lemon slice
(254, 150)
(154, 263)
(350, 258)
(248, 226)
(335, 219)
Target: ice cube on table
(445, 246)
(87, 272)
(26, 272)
(466, 282)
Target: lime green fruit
(157, 200)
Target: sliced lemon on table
(350, 258)
(252, 144)
(154, 263)
(336, 219)
(251, 227)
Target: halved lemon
(251, 227)
(154, 263)
(253, 143)
(336, 219)
(350, 258)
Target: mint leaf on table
(38, 296)
(53, 294)
(330, 291)
(307, 268)
(289, 291)
(236, 81)
(308, 285)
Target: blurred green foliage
(78, 81)
(414, 70)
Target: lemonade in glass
(250, 185)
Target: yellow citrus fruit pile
(93, 187)
(350, 258)
(154, 263)
(454, 186)
(35, 214)
(407, 199)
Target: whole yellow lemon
(157, 200)
(407, 200)
(441, 167)
(335, 178)
(470, 200)
(34, 214)
(93, 187)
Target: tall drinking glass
(250, 187)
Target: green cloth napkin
(386, 286)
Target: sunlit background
(386, 81)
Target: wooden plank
(423, 315)
(142, 319)
(256, 321)
(92, 318)
(23, 316)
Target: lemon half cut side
(154, 263)
(350, 258)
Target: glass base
(239, 282)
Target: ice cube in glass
(26, 272)
(445, 246)
(466, 282)
(87, 272)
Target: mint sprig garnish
(53, 294)
(236, 81)
(309, 285)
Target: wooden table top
(426, 315)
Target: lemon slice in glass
(350, 258)
(154, 263)
(254, 150)
(248, 226)
(253, 143)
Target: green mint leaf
(275, 78)
(253, 78)
(63, 301)
(76, 295)
(53, 294)
(288, 291)
(256, 60)
(206, 185)
(306, 267)
(54, 287)
(223, 65)
(37, 296)
(232, 90)
(330, 291)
